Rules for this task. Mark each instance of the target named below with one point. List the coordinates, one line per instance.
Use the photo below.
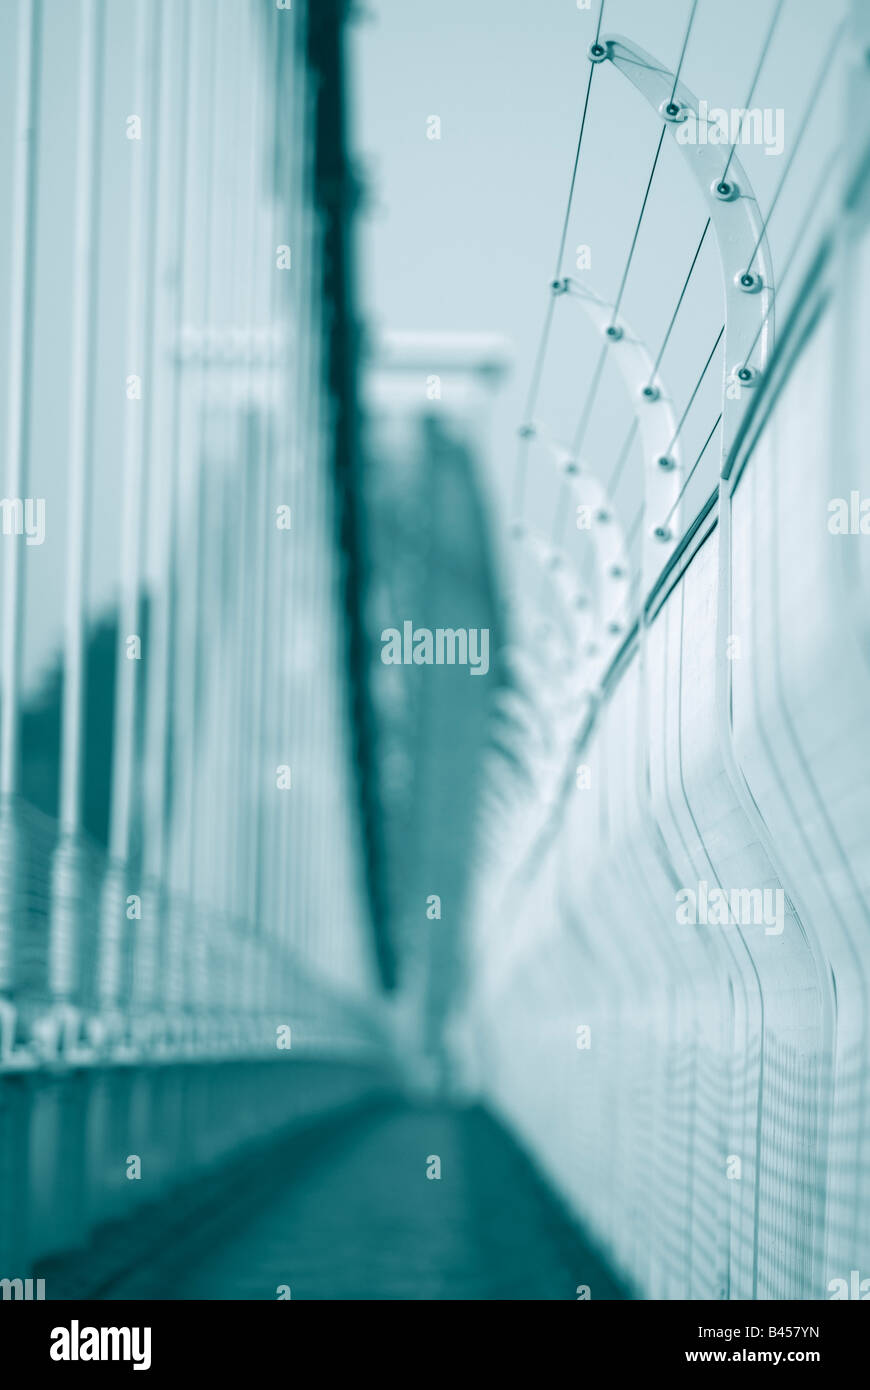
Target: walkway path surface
(355, 1216)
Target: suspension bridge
(322, 977)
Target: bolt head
(725, 190)
(748, 281)
(673, 111)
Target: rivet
(673, 111)
(748, 281)
(747, 376)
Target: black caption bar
(158, 1339)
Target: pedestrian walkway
(356, 1217)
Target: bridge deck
(347, 1212)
